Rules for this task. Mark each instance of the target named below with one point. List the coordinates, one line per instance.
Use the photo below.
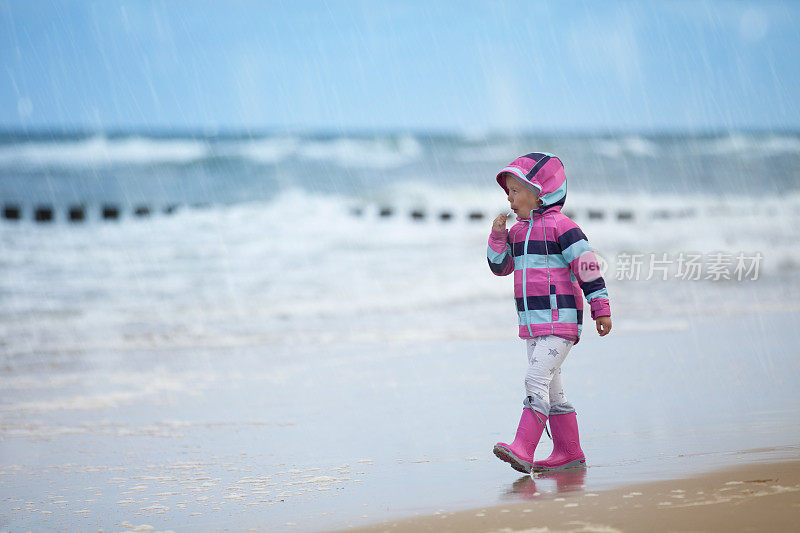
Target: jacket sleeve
(501, 260)
(585, 267)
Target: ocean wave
(350, 152)
(266, 150)
(255, 271)
(102, 151)
(626, 146)
(747, 145)
(379, 153)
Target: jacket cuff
(600, 307)
(499, 239)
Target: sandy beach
(746, 497)
(216, 440)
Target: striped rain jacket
(554, 267)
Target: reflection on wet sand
(569, 480)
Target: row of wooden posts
(78, 213)
(591, 214)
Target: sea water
(313, 330)
(290, 232)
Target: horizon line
(477, 134)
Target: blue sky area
(431, 65)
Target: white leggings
(543, 389)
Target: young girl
(554, 268)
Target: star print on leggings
(554, 353)
(552, 371)
(534, 360)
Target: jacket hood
(543, 172)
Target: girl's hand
(603, 325)
(499, 223)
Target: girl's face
(521, 198)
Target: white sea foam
(778, 144)
(748, 145)
(260, 272)
(266, 150)
(102, 151)
(378, 153)
(633, 145)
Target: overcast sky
(370, 65)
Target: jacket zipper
(549, 287)
(524, 283)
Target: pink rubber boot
(519, 454)
(567, 451)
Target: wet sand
(748, 497)
(355, 430)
